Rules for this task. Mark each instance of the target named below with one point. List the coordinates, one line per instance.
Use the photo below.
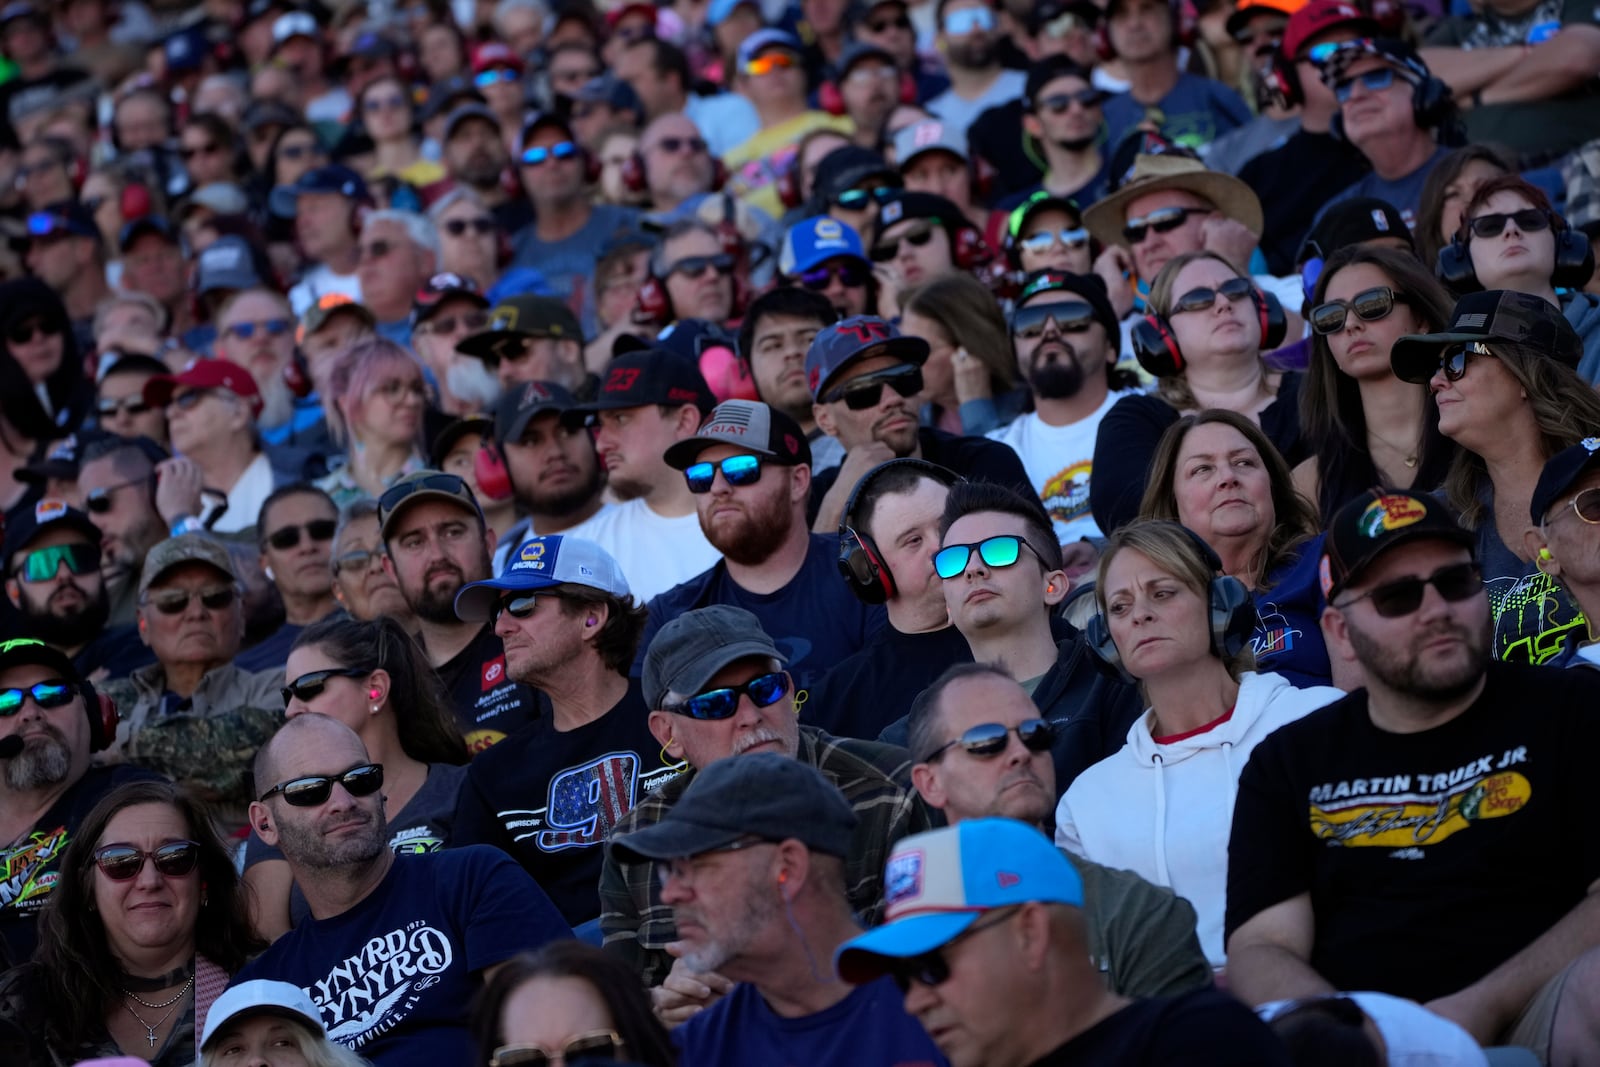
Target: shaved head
(301, 732)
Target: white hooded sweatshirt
(1165, 811)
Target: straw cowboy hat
(1153, 173)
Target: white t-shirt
(1058, 460)
(246, 496)
(655, 553)
(317, 283)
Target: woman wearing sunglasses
(1162, 806)
(384, 106)
(970, 379)
(375, 402)
(1509, 406)
(568, 1003)
(373, 678)
(1362, 425)
(1210, 318)
(145, 926)
(42, 378)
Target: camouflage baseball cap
(185, 548)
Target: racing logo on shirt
(1273, 635)
(1404, 811)
(494, 672)
(479, 740)
(25, 883)
(585, 803)
(371, 992)
(1066, 494)
(1389, 513)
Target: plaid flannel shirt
(874, 778)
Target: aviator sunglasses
(991, 738)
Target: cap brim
(476, 600)
(421, 496)
(912, 350)
(1415, 357)
(861, 959)
(1466, 538)
(158, 390)
(693, 678)
(39, 473)
(672, 839)
(29, 654)
(482, 345)
(683, 454)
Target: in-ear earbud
(1544, 554)
(1051, 588)
(591, 620)
(373, 693)
(783, 876)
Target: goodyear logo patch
(1389, 513)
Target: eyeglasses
(1528, 220)
(272, 327)
(1042, 240)
(764, 690)
(111, 405)
(1002, 551)
(396, 389)
(1161, 220)
(1028, 323)
(865, 392)
(1453, 360)
(594, 1044)
(1060, 103)
(674, 145)
(494, 76)
(518, 606)
(697, 266)
(98, 501)
(187, 154)
(1373, 81)
(46, 695)
(1586, 505)
(931, 968)
(24, 332)
(1370, 305)
(469, 322)
(916, 236)
(314, 790)
(288, 537)
(1235, 289)
(851, 275)
(459, 227)
(1391, 600)
(176, 601)
(297, 151)
(375, 250)
(538, 155)
(736, 471)
(991, 738)
(899, 22)
(122, 863)
(374, 104)
(968, 20)
(309, 686)
(857, 199)
(41, 564)
(357, 559)
(763, 65)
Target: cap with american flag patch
(1497, 315)
(751, 426)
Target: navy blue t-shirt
(1288, 638)
(1405, 193)
(1194, 113)
(868, 1028)
(396, 975)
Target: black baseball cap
(1373, 523)
(1353, 222)
(1560, 472)
(446, 441)
(439, 288)
(750, 425)
(30, 652)
(654, 376)
(149, 224)
(64, 218)
(44, 514)
(1091, 288)
(63, 459)
(519, 405)
(333, 178)
(1495, 315)
(518, 317)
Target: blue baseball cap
(333, 178)
(1560, 473)
(719, 10)
(937, 884)
(811, 242)
(65, 218)
(851, 340)
(543, 563)
(764, 39)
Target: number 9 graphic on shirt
(587, 801)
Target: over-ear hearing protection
(636, 179)
(1574, 259)
(1233, 615)
(653, 305)
(1431, 107)
(489, 470)
(103, 717)
(1156, 347)
(860, 562)
(831, 98)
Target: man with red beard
(749, 469)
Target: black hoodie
(70, 390)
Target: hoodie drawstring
(1162, 877)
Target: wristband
(187, 524)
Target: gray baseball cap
(185, 548)
(687, 651)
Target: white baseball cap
(262, 997)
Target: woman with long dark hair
(971, 375)
(1453, 182)
(47, 394)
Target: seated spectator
(674, 162)
(387, 111)
(1362, 425)
(446, 310)
(100, 964)
(1451, 183)
(716, 688)
(258, 1020)
(455, 450)
(850, 185)
(1558, 546)
(119, 399)
(773, 339)
(323, 203)
(42, 375)
(1029, 992)
(825, 256)
(66, 253)
(1171, 619)
(399, 252)
(121, 493)
(474, 151)
(967, 34)
(969, 380)
(1064, 116)
(892, 31)
(1218, 476)
(296, 531)
(754, 855)
(1141, 937)
(532, 339)
(329, 328)
(1390, 786)
(918, 237)
(545, 1001)
(661, 75)
(869, 82)
(373, 678)
(556, 479)
(1504, 383)
(477, 908)
(471, 242)
(1190, 110)
(362, 585)
(1046, 232)
(376, 401)
(1204, 341)
(694, 273)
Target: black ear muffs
(860, 563)
(1573, 268)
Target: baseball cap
(811, 242)
(1376, 521)
(445, 441)
(518, 317)
(1048, 69)
(848, 166)
(205, 374)
(492, 54)
(1493, 315)
(544, 118)
(261, 996)
(224, 198)
(654, 376)
(466, 113)
(43, 515)
(914, 205)
(543, 563)
(610, 90)
(186, 49)
(446, 95)
(687, 651)
(439, 288)
(268, 112)
(750, 425)
(851, 340)
(148, 224)
(227, 263)
(134, 363)
(61, 462)
(30, 652)
(419, 487)
(937, 884)
(718, 12)
(766, 38)
(64, 218)
(1090, 288)
(1397, 54)
(294, 24)
(327, 306)
(1560, 472)
(855, 52)
(1321, 15)
(929, 135)
(1351, 222)
(185, 548)
(1249, 9)
(1040, 201)
(765, 794)
(518, 406)
(22, 9)
(1046, 12)
(332, 178)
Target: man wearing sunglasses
(717, 689)
(47, 786)
(395, 951)
(675, 161)
(474, 154)
(119, 482)
(532, 339)
(849, 184)
(869, 82)
(968, 36)
(1372, 836)
(1193, 110)
(1565, 510)
(1062, 115)
(865, 378)
(446, 310)
(256, 330)
(295, 532)
(119, 399)
(753, 858)
(67, 253)
(399, 253)
(825, 256)
(987, 934)
(983, 752)
(696, 272)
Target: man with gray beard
(50, 723)
(394, 954)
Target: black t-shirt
(1433, 857)
(549, 798)
(489, 706)
(864, 694)
(1203, 1029)
(116, 650)
(1292, 182)
(977, 459)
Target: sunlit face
(264, 353)
(553, 467)
(918, 263)
(1486, 402)
(676, 161)
(1514, 258)
(778, 363)
(343, 831)
(150, 912)
(1140, 30)
(1361, 349)
(892, 420)
(392, 268)
(475, 251)
(774, 728)
(1061, 119)
(941, 173)
(129, 527)
(542, 644)
(1160, 625)
(1016, 783)
(985, 600)
(302, 570)
(938, 374)
(55, 740)
(343, 698)
(631, 443)
(434, 548)
(39, 353)
(702, 293)
(816, 150)
(554, 178)
(1221, 485)
(1157, 249)
(205, 157)
(216, 415)
(196, 634)
(972, 1014)
(154, 265)
(1071, 254)
(1228, 329)
(386, 110)
(905, 527)
(1370, 114)
(297, 152)
(63, 596)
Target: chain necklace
(171, 1006)
(1409, 458)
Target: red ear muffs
(634, 178)
(830, 99)
(489, 469)
(296, 377)
(1155, 348)
(136, 203)
(727, 374)
(652, 307)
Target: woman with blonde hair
(970, 379)
(375, 405)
